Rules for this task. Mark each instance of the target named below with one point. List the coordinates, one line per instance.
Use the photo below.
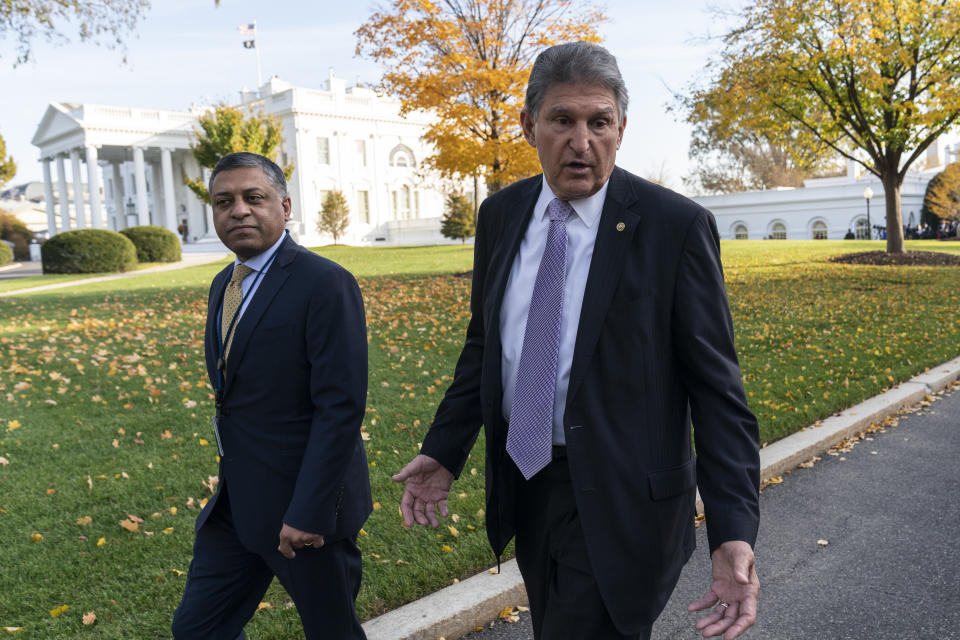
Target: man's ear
(527, 123)
(287, 208)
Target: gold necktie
(231, 303)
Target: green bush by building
(88, 251)
(14, 230)
(154, 244)
(6, 254)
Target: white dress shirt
(581, 236)
(259, 262)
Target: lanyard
(222, 343)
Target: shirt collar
(259, 261)
(587, 209)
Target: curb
(457, 610)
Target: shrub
(154, 244)
(13, 230)
(88, 251)
(6, 254)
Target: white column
(156, 217)
(119, 209)
(48, 197)
(93, 184)
(169, 204)
(196, 213)
(79, 207)
(63, 196)
(140, 180)
(207, 209)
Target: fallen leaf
(446, 549)
(101, 542)
(58, 610)
(130, 525)
(13, 425)
(89, 618)
(36, 537)
(177, 572)
(13, 630)
(167, 531)
(84, 520)
(264, 605)
(453, 531)
(3, 461)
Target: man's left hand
(735, 584)
(292, 538)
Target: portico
(126, 168)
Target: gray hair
(244, 159)
(581, 63)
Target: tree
(942, 199)
(334, 215)
(225, 130)
(12, 229)
(730, 156)
(875, 81)
(8, 168)
(103, 21)
(467, 62)
(458, 222)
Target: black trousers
(565, 602)
(226, 582)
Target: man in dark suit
(599, 325)
(286, 352)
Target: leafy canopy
(334, 215)
(876, 81)
(942, 199)
(8, 168)
(458, 221)
(467, 62)
(225, 130)
(100, 21)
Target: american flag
(249, 29)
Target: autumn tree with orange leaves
(467, 62)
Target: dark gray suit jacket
(654, 344)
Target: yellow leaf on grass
(3, 461)
(89, 618)
(203, 442)
(101, 542)
(177, 572)
(173, 511)
(264, 605)
(130, 525)
(36, 537)
(446, 549)
(453, 531)
(376, 505)
(50, 492)
(84, 520)
(167, 531)
(13, 630)
(13, 424)
(58, 610)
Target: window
(778, 231)
(361, 153)
(819, 230)
(861, 229)
(363, 206)
(401, 203)
(323, 150)
(402, 156)
(740, 232)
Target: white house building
(825, 207)
(339, 138)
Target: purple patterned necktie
(530, 434)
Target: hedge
(88, 251)
(154, 244)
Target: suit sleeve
(725, 430)
(336, 344)
(459, 416)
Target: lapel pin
(621, 226)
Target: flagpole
(256, 48)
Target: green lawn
(106, 415)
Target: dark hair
(243, 159)
(581, 63)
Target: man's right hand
(427, 485)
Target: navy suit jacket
(294, 395)
(654, 344)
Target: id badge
(216, 433)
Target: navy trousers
(226, 582)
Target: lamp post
(867, 194)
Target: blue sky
(189, 52)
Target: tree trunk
(894, 217)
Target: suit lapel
(213, 322)
(271, 283)
(605, 268)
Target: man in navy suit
(599, 327)
(286, 352)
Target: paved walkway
(888, 509)
(193, 254)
